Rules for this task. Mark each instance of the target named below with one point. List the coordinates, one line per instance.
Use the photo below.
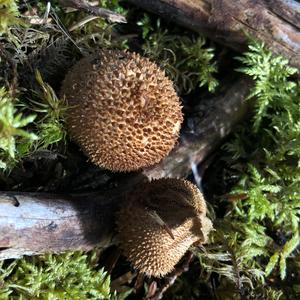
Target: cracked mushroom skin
(160, 222)
(123, 110)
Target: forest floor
(250, 178)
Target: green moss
(273, 89)
(27, 127)
(15, 139)
(272, 179)
(260, 230)
(187, 60)
(68, 276)
(8, 15)
(50, 109)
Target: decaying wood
(41, 223)
(274, 22)
(214, 119)
(34, 223)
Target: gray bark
(274, 22)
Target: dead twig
(170, 279)
(93, 10)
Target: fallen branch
(94, 10)
(274, 22)
(42, 223)
(35, 223)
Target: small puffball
(123, 110)
(160, 221)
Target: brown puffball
(159, 223)
(123, 110)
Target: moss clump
(254, 243)
(66, 276)
(8, 15)
(15, 140)
(186, 58)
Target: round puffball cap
(160, 222)
(123, 110)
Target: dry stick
(274, 22)
(35, 223)
(40, 223)
(170, 278)
(96, 11)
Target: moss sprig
(268, 215)
(72, 275)
(15, 138)
(8, 15)
(187, 60)
(50, 109)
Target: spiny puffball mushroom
(159, 223)
(124, 111)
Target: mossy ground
(252, 184)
